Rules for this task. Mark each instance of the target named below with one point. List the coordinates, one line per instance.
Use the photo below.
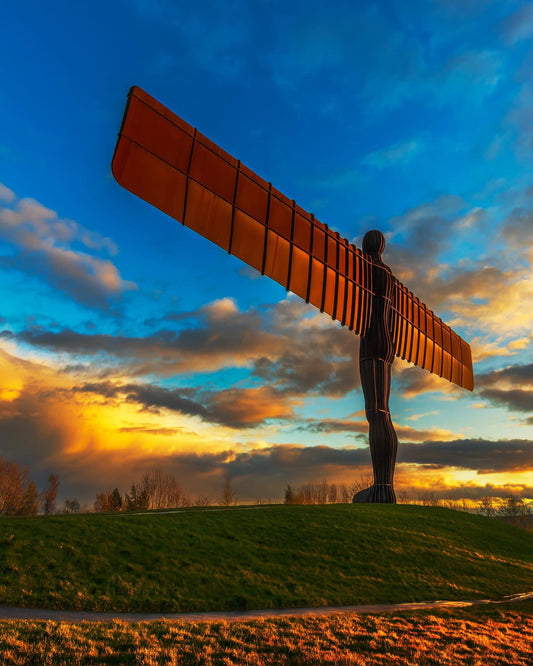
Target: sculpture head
(374, 243)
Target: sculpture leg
(375, 379)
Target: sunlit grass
(266, 557)
(481, 636)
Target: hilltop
(260, 557)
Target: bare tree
(228, 496)
(345, 494)
(361, 483)
(202, 500)
(514, 510)
(163, 490)
(49, 495)
(18, 495)
(72, 505)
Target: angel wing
(163, 160)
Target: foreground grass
(479, 636)
(265, 557)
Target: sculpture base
(379, 493)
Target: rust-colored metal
(162, 159)
(165, 161)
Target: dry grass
(485, 636)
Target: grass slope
(264, 557)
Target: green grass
(264, 557)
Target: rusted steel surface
(168, 163)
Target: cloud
(290, 346)
(217, 45)
(518, 121)
(480, 70)
(514, 399)
(398, 153)
(248, 407)
(236, 408)
(6, 195)
(490, 293)
(148, 396)
(484, 456)
(510, 387)
(518, 25)
(410, 381)
(517, 228)
(404, 433)
(513, 375)
(102, 435)
(41, 245)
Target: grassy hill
(260, 557)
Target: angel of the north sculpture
(163, 160)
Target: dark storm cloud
(514, 374)
(513, 399)
(519, 398)
(485, 456)
(298, 462)
(267, 471)
(295, 461)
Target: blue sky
(129, 343)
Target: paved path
(15, 613)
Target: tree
(228, 496)
(108, 502)
(163, 489)
(515, 510)
(332, 494)
(30, 501)
(345, 494)
(116, 500)
(486, 507)
(72, 505)
(289, 494)
(49, 495)
(137, 499)
(18, 495)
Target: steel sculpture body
(162, 159)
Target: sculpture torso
(377, 342)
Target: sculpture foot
(378, 493)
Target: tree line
(157, 489)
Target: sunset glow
(127, 342)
